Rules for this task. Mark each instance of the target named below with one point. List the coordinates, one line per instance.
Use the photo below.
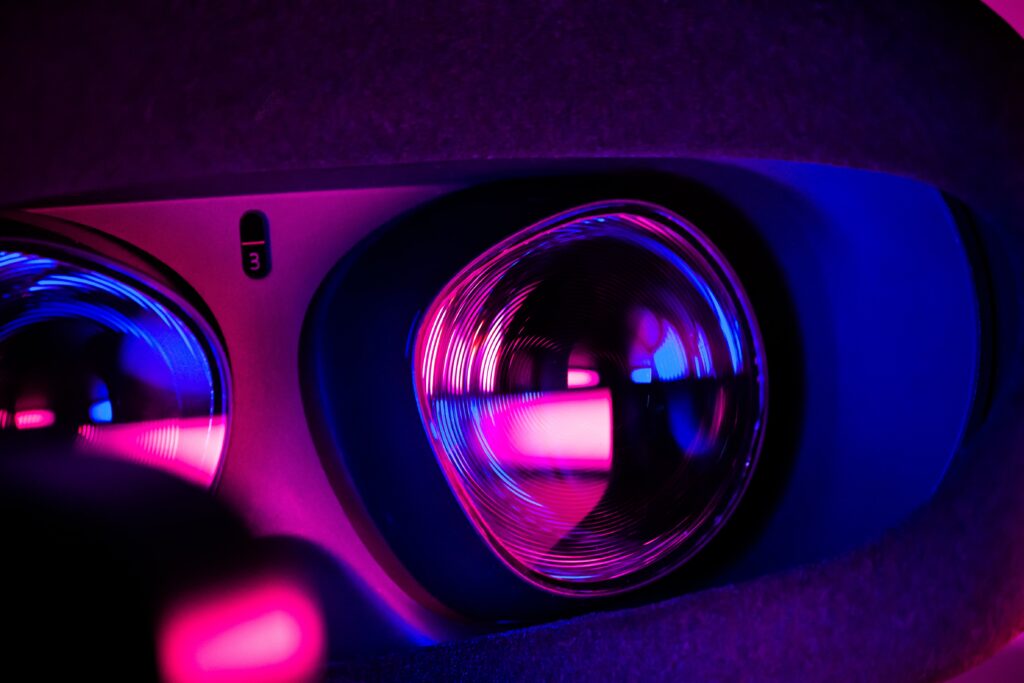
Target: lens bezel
(355, 372)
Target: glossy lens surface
(594, 388)
(94, 362)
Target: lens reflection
(93, 363)
(594, 390)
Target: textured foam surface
(95, 101)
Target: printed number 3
(254, 261)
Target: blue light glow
(101, 412)
(641, 375)
(670, 358)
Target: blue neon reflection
(101, 411)
(670, 358)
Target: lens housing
(595, 390)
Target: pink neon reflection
(580, 378)
(564, 439)
(267, 632)
(34, 419)
(189, 448)
(569, 430)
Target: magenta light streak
(263, 632)
(34, 419)
(189, 448)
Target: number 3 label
(254, 231)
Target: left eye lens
(94, 361)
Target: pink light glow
(189, 448)
(570, 430)
(4, 418)
(266, 632)
(34, 419)
(580, 378)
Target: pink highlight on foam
(1012, 12)
(569, 430)
(34, 419)
(264, 632)
(580, 378)
(189, 448)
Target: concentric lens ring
(594, 389)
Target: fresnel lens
(594, 388)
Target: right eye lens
(91, 362)
(594, 390)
